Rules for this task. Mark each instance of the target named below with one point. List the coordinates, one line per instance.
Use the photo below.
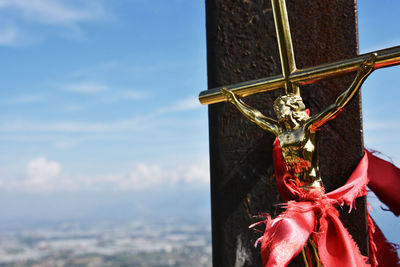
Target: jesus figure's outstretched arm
(324, 116)
(252, 114)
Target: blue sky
(101, 96)
(96, 89)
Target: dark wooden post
(242, 46)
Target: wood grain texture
(241, 46)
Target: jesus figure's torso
(300, 152)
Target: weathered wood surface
(241, 46)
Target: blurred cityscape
(134, 243)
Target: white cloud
(180, 105)
(42, 168)
(60, 13)
(43, 175)
(191, 174)
(183, 105)
(66, 143)
(187, 104)
(55, 11)
(41, 172)
(137, 123)
(70, 127)
(85, 87)
(144, 176)
(150, 176)
(25, 99)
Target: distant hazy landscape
(106, 229)
(135, 243)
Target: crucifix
(291, 78)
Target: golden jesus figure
(296, 130)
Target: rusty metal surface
(241, 46)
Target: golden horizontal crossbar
(385, 58)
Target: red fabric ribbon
(286, 235)
(384, 181)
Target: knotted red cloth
(286, 235)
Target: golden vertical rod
(285, 44)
